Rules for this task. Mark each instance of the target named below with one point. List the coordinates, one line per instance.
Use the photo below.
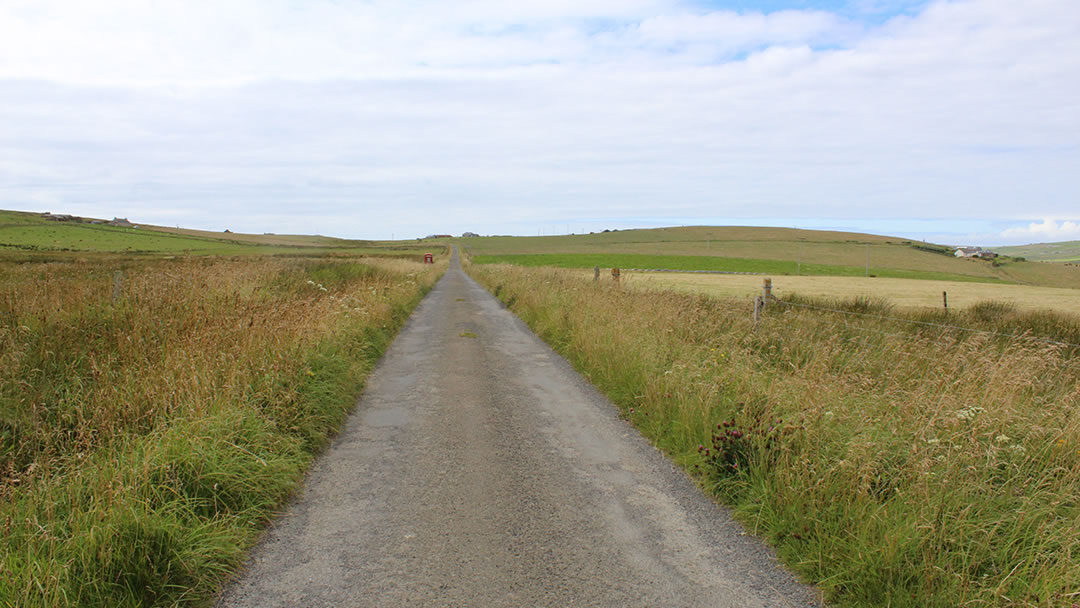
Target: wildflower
(969, 413)
(1003, 438)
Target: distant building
(466, 235)
(974, 252)
(121, 221)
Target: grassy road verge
(150, 423)
(889, 462)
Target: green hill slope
(1066, 251)
(22, 232)
(773, 250)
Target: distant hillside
(36, 233)
(774, 250)
(1066, 251)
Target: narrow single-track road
(480, 469)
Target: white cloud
(1047, 230)
(537, 112)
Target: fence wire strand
(925, 323)
(1066, 365)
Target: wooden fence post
(615, 274)
(766, 289)
(596, 273)
(759, 304)
(945, 300)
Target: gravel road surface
(480, 469)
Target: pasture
(1067, 251)
(30, 233)
(781, 251)
(903, 293)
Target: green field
(32, 233)
(1067, 251)
(773, 250)
(714, 264)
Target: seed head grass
(890, 463)
(151, 423)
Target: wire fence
(944, 326)
(1067, 365)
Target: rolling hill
(1066, 251)
(34, 233)
(783, 251)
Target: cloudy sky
(956, 121)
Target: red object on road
(429, 259)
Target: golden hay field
(905, 293)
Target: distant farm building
(466, 235)
(121, 221)
(975, 252)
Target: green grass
(889, 462)
(712, 263)
(817, 252)
(146, 437)
(30, 233)
(1067, 251)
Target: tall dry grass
(147, 432)
(890, 463)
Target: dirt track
(480, 469)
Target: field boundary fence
(767, 299)
(693, 271)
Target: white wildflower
(969, 413)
